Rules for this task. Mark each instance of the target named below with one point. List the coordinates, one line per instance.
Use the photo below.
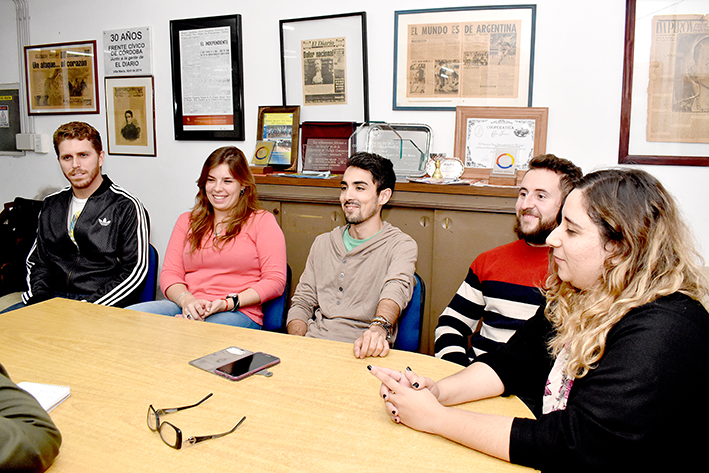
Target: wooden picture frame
(61, 78)
(634, 146)
(339, 43)
(130, 115)
(479, 130)
(208, 78)
(494, 42)
(280, 125)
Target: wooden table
(320, 411)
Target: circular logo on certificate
(505, 161)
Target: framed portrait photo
(130, 115)
(324, 66)
(61, 78)
(467, 56)
(208, 78)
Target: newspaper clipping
(61, 78)
(324, 71)
(678, 93)
(129, 116)
(464, 60)
(207, 97)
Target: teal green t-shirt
(352, 243)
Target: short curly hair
(77, 131)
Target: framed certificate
(500, 137)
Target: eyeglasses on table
(171, 435)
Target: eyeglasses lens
(152, 419)
(171, 435)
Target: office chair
(151, 280)
(275, 311)
(411, 320)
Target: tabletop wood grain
(320, 411)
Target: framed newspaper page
(500, 137)
(665, 102)
(130, 115)
(280, 126)
(324, 66)
(208, 78)
(470, 56)
(61, 78)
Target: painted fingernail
(393, 413)
(408, 369)
(369, 367)
(416, 385)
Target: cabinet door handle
(447, 223)
(423, 221)
(276, 211)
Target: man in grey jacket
(359, 277)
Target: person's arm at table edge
(29, 440)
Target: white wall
(577, 74)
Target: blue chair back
(151, 280)
(275, 311)
(411, 320)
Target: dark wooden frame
(62, 111)
(295, 110)
(624, 156)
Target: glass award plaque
(406, 145)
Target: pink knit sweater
(256, 258)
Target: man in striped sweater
(92, 238)
(501, 290)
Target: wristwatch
(235, 300)
(385, 324)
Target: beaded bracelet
(388, 331)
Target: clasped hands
(200, 309)
(409, 399)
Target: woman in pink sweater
(227, 256)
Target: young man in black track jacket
(93, 236)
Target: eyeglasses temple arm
(194, 440)
(175, 409)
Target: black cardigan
(643, 408)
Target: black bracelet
(235, 299)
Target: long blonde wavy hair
(202, 215)
(651, 255)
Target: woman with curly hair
(226, 257)
(620, 344)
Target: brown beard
(538, 236)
